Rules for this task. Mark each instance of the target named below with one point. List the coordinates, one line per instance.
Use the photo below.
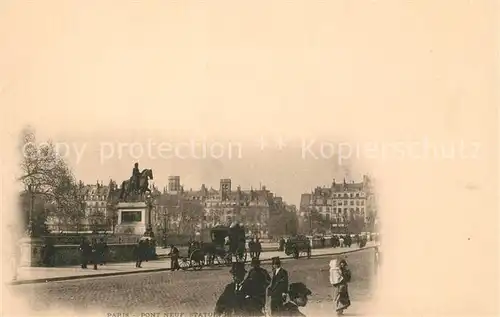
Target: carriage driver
(135, 176)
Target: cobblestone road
(181, 291)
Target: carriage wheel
(228, 259)
(208, 259)
(197, 260)
(184, 263)
(219, 260)
(242, 256)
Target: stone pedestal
(31, 252)
(137, 226)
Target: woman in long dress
(340, 275)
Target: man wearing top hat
(235, 300)
(297, 293)
(258, 280)
(278, 288)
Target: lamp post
(149, 228)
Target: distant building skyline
(341, 202)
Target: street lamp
(149, 229)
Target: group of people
(246, 295)
(93, 252)
(249, 291)
(255, 248)
(342, 241)
(336, 241)
(142, 251)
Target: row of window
(346, 203)
(340, 210)
(348, 195)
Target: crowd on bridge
(336, 241)
(257, 293)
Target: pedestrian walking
(258, 248)
(103, 251)
(251, 247)
(297, 295)
(139, 253)
(174, 258)
(278, 289)
(48, 253)
(147, 250)
(282, 244)
(341, 242)
(376, 260)
(85, 252)
(95, 257)
(340, 275)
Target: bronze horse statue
(127, 185)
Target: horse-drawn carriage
(227, 243)
(298, 245)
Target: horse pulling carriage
(297, 246)
(227, 243)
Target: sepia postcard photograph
(167, 158)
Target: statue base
(31, 252)
(132, 218)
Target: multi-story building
(209, 207)
(96, 199)
(94, 212)
(340, 203)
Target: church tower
(225, 188)
(174, 184)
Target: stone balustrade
(65, 255)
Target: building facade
(94, 212)
(208, 207)
(341, 203)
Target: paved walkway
(357, 308)
(45, 274)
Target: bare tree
(44, 174)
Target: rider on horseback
(135, 177)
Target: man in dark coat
(48, 253)
(278, 288)
(174, 258)
(103, 251)
(85, 252)
(258, 280)
(258, 248)
(251, 247)
(282, 244)
(139, 253)
(236, 300)
(96, 253)
(297, 293)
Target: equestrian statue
(138, 184)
